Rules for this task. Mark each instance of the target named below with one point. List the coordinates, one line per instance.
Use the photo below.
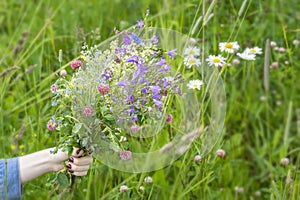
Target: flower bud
(197, 158)
(221, 153)
(123, 188)
(284, 161)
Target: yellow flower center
(252, 50)
(216, 60)
(228, 45)
(192, 52)
(195, 85)
(192, 61)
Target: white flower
(192, 61)
(246, 56)
(142, 188)
(148, 179)
(229, 47)
(123, 188)
(254, 50)
(217, 61)
(192, 51)
(194, 84)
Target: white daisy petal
(192, 61)
(229, 47)
(246, 56)
(254, 50)
(192, 51)
(217, 61)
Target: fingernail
(69, 166)
(71, 171)
(78, 151)
(71, 159)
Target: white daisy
(192, 61)
(194, 84)
(217, 61)
(254, 50)
(246, 56)
(229, 47)
(192, 51)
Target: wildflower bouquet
(123, 92)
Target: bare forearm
(41, 162)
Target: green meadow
(262, 118)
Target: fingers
(79, 166)
(86, 160)
(77, 152)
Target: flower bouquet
(133, 102)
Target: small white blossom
(142, 188)
(148, 179)
(229, 47)
(194, 84)
(123, 188)
(284, 161)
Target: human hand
(79, 165)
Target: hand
(78, 164)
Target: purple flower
(131, 98)
(132, 109)
(121, 51)
(165, 83)
(125, 155)
(127, 39)
(158, 103)
(162, 61)
(165, 68)
(123, 83)
(136, 39)
(140, 72)
(135, 59)
(140, 23)
(155, 90)
(157, 97)
(154, 39)
(144, 90)
(134, 119)
(107, 74)
(172, 53)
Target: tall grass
(261, 120)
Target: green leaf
(63, 180)
(77, 127)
